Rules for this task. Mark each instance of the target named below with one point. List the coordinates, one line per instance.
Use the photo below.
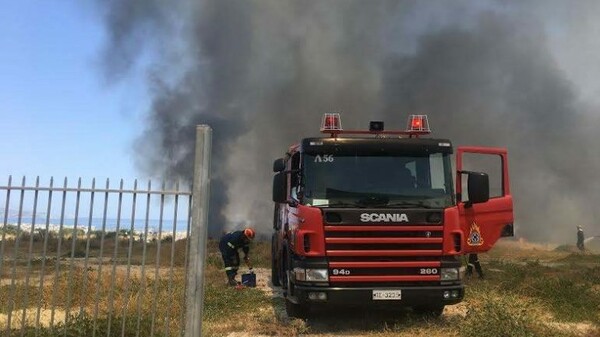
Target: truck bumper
(429, 296)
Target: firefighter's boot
(231, 280)
(479, 271)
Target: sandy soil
(31, 318)
(263, 282)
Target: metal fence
(107, 256)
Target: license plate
(387, 294)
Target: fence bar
(129, 253)
(72, 264)
(29, 257)
(158, 245)
(143, 277)
(114, 262)
(5, 225)
(170, 292)
(11, 300)
(195, 277)
(5, 228)
(100, 259)
(58, 252)
(87, 249)
(185, 261)
(44, 251)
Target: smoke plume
(262, 73)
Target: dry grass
(119, 297)
(530, 290)
(107, 295)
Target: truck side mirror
(279, 165)
(280, 187)
(478, 187)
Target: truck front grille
(381, 255)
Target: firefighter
(580, 238)
(474, 263)
(229, 245)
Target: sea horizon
(97, 224)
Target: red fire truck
(373, 217)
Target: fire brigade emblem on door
(475, 238)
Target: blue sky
(58, 117)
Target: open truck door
(484, 217)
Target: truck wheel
(430, 311)
(296, 310)
(275, 275)
(283, 276)
(274, 268)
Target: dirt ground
(45, 317)
(263, 282)
(458, 311)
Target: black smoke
(261, 73)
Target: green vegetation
(8, 229)
(83, 325)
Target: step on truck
(372, 217)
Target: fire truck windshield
(377, 181)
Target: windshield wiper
(375, 200)
(406, 203)
(343, 204)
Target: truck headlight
(317, 275)
(311, 275)
(449, 274)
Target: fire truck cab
(380, 218)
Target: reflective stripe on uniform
(230, 245)
(231, 268)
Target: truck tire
(296, 310)
(429, 311)
(283, 275)
(274, 266)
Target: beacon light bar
(331, 122)
(417, 125)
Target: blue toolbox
(249, 279)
